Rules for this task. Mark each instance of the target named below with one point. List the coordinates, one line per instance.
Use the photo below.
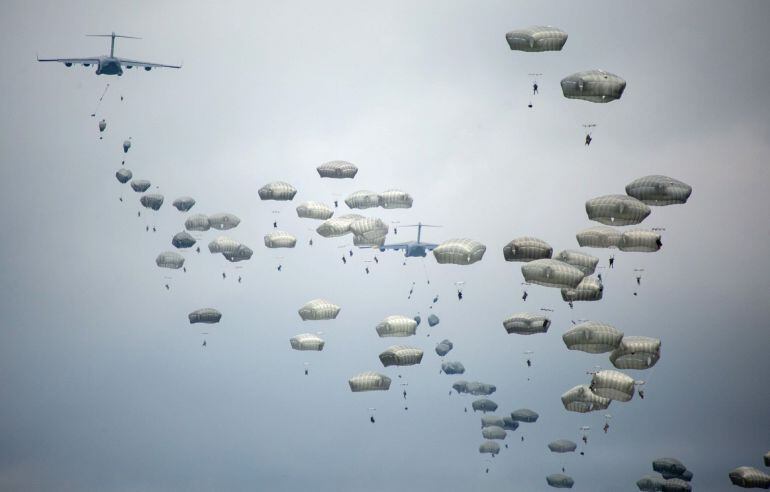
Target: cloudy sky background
(104, 384)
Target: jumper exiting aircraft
(108, 64)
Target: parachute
(452, 367)
(102, 125)
(527, 249)
(489, 447)
(560, 481)
(368, 231)
(277, 190)
(318, 309)
(593, 337)
(669, 466)
(337, 170)
(280, 239)
(536, 39)
(395, 199)
(433, 320)
(197, 222)
(581, 399)
(493, 432)
(363, 199)
(617, 210)
(552, 273)
(613, 385)
(484, 405)
(126, 145)
(417, 319)
(307, 341)
(599, 237)
(140, 185)
(337, 226)
(443, 347)
(459, 252)
(152, 201)
(750, 478)
(583, 261)
(224, 245)
(314, 210)
(562, 446)
(223, 221)
(184, 203)
(636, 353)
(659, 190)
(524, 415)
(170, 259)
(124, 175)
(474, 388)
(205, 315)
(401, 355)
(526, 324)
(595, 86)
(509, 423)
(369, 381)
(183, 240)
(639, 240)
(589, 289)
(650, 484)
(396, 326)
(676, 485)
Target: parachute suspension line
(99, 102)
(425, 270)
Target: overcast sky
(104, 385)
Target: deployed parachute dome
(242, 253)
(527, 249)
(433, 320)
(491, 421)
(183, 240)
(102, 125)
(484, 405)
(205, 315)
(560, 481)
(493, 432)
(589, 289)
(197, 222)
(593, 85)
(363, 199)
(659, 190)
(443, 347)
(140, 185)
(583, 261)
(126, 145)
(152, 201)
(395, 199)
(686, 476)
(509, 423)
(526, 324)
(397, 326)
(307, 341)
(338, 226)
(489, 447)
(459, 252)
(474, 388)
(314, 210)
(369, 381)
(581, 399)
(170, 259)
(369, 228)
(184, 203)
(337, 170)
(650, 484)
(536, 39)
(676, 485)
(524, 415)
(618, 210)
(453, 367)
(280, 239)
(636, 353)
(641, 241)
(319, 309)
(592, 337)
(417, 319)
(552, 273)
(224, 244)
(124, 175)
(669, 466)
(750, 478)
(562, 446)
(401, 355)
(223, 221)
(613, 385)
(277, 190)
(599, 237)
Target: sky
(104, 383)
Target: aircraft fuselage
(109, 65)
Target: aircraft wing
(429, 247)
(395, 246)
(145, 65)
(72, 61)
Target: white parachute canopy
(369, 381)
(459, 252)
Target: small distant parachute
(676, 485)
(489, 447)
(592, 337)
(433, 320)
(560, 481)
(583, 261)
(509, 423)
(459, 252)
(613, 385)
(170, 259)
(536, 39)
(595, 86)
(369, 381)
(102, 125)
(205, 315)
(526, 324)
(525, 415)
(639, 240)
(307, 341)
(337, 226)
(280, 239)
(223, 221)
(562, 446)
(277, 190)
(669, 466)
(401, 355)
(444, 347)
(453, 367)
(395, 199)
(750, 478)
(140, 185)
(152, 201)
(589, 289)
(636, 353)
(617, 210)
(183, 240)
(126, 145)
(527, 249)
(417, 319)
(197, 222)
(581, 399)
(659, 190)
(319, 309)
(552, 273)
(650, 484)
(124, 175)
(363, 199)
(314, 210)
(474, 388)
(599, 237)
(491, 421)
(484, 405)
(397, 326)
(183, 203)
(337, 170)
(493, 432)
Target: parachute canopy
(395, 199)
(636, 353)
(560, 481)
(314, 210)
(491, 421)
(750, 478)
(562, 446)
(151, 200)
(650, 484)
(639, 240)
(183, 240)
(659, 190)
(536, 39)
(369, 381)
(493, 432)
(318, 309)
(307, 341)
(223, 221)
(277, 190)
(669, 466)
(280, 239)
(617, 210)
(552, 273)
(363, 199)
(401, 355)
(613, 385)
(592, 337)
(124, 175)
(337, 226)
(205, 315)
(459, 251)
(183, 203)
(589, 289)
(170, 259)
(595, 86)
(396, 326)
(197, 222)
(453, 367)
(140, 185)
(527, 249)
(433, 320)
(474, 388)
(443, 347)
(489, 447)
(524, 415)
(583, 261)
(526, 324)
(337, 170)
(484, 405)
(126, 145)
(581, 399)
(599, 237)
